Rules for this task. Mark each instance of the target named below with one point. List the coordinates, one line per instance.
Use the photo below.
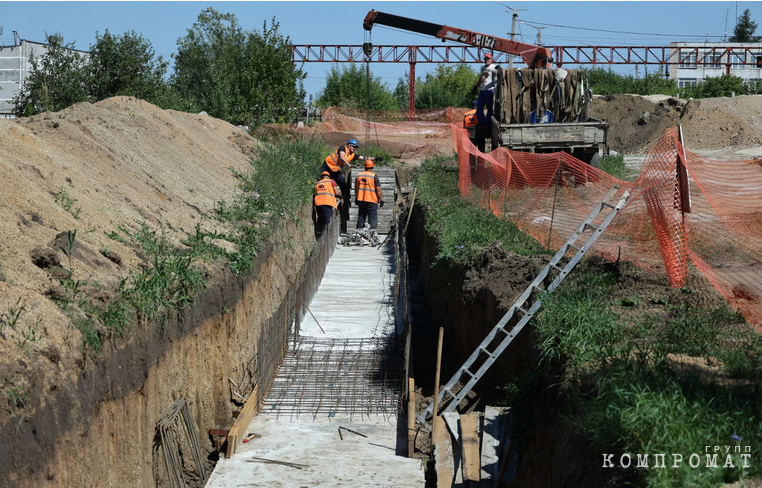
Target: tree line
(243, 77)
(247, 77)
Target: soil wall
(467, 303)
(98, 427)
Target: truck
(536, 108)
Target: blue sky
(561, 23)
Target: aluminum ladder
(485, 355)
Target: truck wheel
(595, 161)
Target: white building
(697, 62)
(14, 67)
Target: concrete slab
(329, 460)
(354, 299)
(343, 369)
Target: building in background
(710, 60)
(14, 67)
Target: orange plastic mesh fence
(716, 226)
(436, 122)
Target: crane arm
(533, 56)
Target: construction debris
(350, 430)
(360, 237)
(273, 461)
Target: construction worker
(368, 197)
(486, 85)
(338, 164)
(340, 159)
(327, 196)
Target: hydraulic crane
(533, 56)
(536, 109)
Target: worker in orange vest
(368, 197)
(327, 196)
(339, 159)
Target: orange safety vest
(333, 160)
(325, 193)
(470, 119)
(365, 187)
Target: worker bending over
(368, 197)
(340, 159)
(326, 199)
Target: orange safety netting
(716, 225)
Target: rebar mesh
(355, 377)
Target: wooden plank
(411, 417)
(443, 460)
(242, 423)
(469, 431)
(452, 419)
(493, 435)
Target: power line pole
(539, 31)
(513, 28)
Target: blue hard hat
(353, 142)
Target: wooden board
(494, 438)
(443, 461)
(452, 419)
(242, 423)
(469, 432)
(411, 417)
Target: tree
(205, 61)
(606, 82)
(744, 30)
(348, 88)
(125, 65)
(245, 78)
(273, 87)
(448, 86)
(717, 86)
(56, 79)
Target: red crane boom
(533, 56)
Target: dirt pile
(728, 124)
(70, 180)
(94, 168)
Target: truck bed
(559, 136)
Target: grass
(614, 165)
(633, 396)
(15, 318)
(462, 230)
(632, 387)
(18, 400)
(282, 179)
(66, 202)
(168, 284)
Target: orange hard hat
(325, 173)
(368, 163)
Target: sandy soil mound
(726, 123)
(93, 169)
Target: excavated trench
(212, 356)
(467, 303)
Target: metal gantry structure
(699, 54)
